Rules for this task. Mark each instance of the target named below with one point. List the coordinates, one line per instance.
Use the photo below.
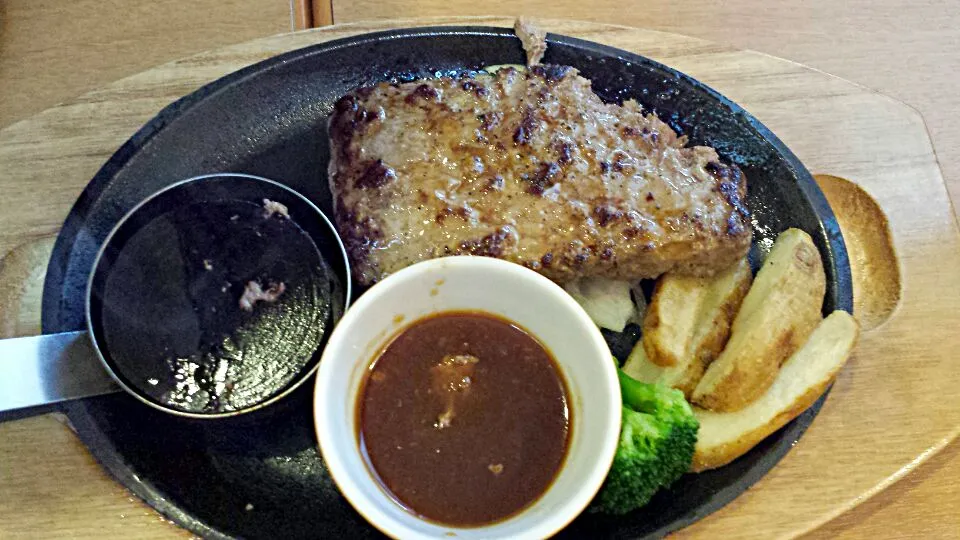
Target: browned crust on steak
(532, 167)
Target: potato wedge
(781, 309)
(671, 318)
(724, 437)
(690, 344)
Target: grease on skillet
(464, 418)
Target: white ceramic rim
(326, 385)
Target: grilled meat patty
(532, 167)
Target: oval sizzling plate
(261, 476)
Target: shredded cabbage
(607, 301)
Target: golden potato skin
(725, 436)
(709, 306)
(779, 312)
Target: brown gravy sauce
(464, 418)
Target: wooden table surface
(52, 50)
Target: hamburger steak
(532, 167)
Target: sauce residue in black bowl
(464, 418)
(172, 312)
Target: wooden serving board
(894, 405)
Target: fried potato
(724, 437)
(781, 309)
(671, 318)
(686, 326)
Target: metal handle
(46, 369)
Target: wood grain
(302, 14)
(311, 13)
(922, 505)
(22, 272)
(322, 13)
(892, 408)
(51, 50)
(53, 488)
(873, 260)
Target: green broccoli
(657, 437)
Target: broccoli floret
(657, 438)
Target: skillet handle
(42, 370)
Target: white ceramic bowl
(500, 288)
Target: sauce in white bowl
(510, 293)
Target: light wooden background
(52, 50)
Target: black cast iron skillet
(260, 476)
